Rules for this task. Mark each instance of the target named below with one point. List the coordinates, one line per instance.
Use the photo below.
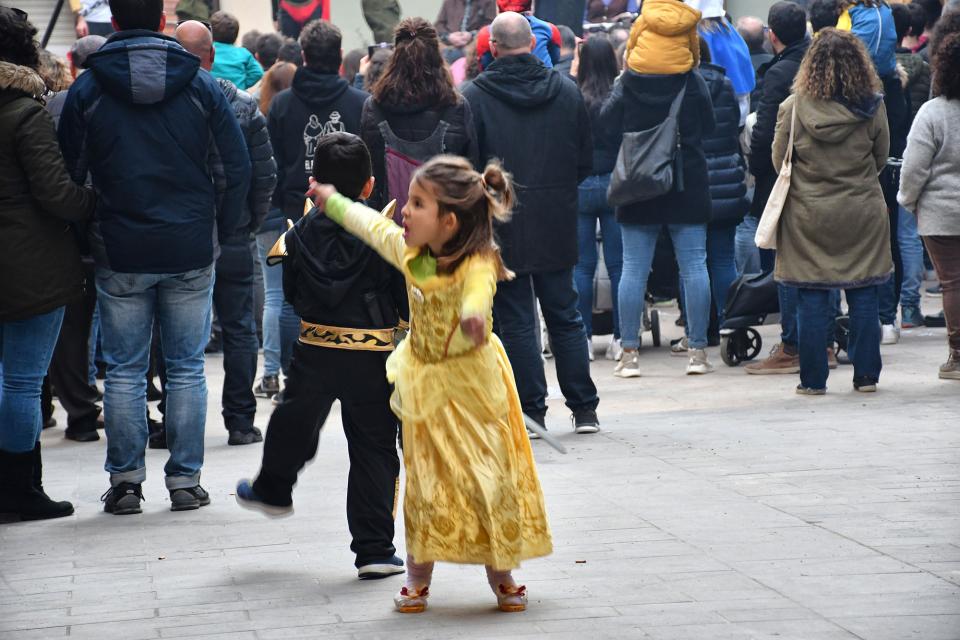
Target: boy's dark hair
(268, 46)
(17, 39)
(933, 9)
(823, 14)
(289, 51)
(946, 68)
(343, 160)
(226, 28)
(137, 14)
(321, 42)
(788, 22)
(250, 39)
(901, 21)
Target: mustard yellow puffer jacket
(664, 38)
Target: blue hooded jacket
(142, 122)
(875, 27)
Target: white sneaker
(590, 348)
(629, 365)
(890, 333)
(698, 363)
(614, 350)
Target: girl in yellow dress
(472, 493)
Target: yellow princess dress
(472, 493)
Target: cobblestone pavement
(714, 507)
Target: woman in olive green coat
(834, 231)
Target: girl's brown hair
(946, 68)
(416, 73)
(476, 200)
(276, 79)
(837, 67)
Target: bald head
(750, 29)
(197, 39)
(510, 35)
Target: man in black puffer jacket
(534, 120)
(233, 287)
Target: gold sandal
(411, 600)
(512, 599)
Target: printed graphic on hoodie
(313, 132)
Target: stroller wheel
(750, 344)
(728, 351)
(655, 327)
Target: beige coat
(834, 231)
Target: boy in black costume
(350, 302)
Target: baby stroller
(752, 301)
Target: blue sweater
(875, 27)
(237, 65)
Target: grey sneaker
(808, 391)
(680, 348)
(123, 499)
(188, 499)
(629, 365)
(698, 364)
(950, 370)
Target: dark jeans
(788, 315)
(814, 323)
(70, 367)
(515, 316)
(318, 376)
(233, 302)
(945, 254)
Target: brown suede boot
(779, 361)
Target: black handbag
(648, 161)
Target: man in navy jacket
(142, 123)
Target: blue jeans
(515, 318)
(745, 248)
(690, 247)
(281, 327)
(96, 354)
(593, 207)
(788, 315)
(721, 264)
(911, 254)
(26, 348)
(815, 321)
(129, 304)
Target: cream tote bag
(766, 237)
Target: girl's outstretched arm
(480, 284)
(385, 237)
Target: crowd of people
(144, 180)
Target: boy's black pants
(318, 376)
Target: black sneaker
(157, 438)
(377, 569)
(81, 435)
(268, 387)
(188, 499)
(541, 422)
(865, 384)
(585, 421)
(123, 499)
(246, 436)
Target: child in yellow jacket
(663, 39)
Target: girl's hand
(475, 328)
(320, 193)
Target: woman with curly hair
(930, 182)
(414, 113)
(834, 230)
(39, 261)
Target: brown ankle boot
(779, 361)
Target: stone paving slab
(721, 507)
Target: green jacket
(834, 229)
(39, 259)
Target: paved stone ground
(716, 507)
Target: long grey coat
(834, 230)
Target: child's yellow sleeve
(381, 233)
(479, 286)
(695, 47)
(635, 32)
